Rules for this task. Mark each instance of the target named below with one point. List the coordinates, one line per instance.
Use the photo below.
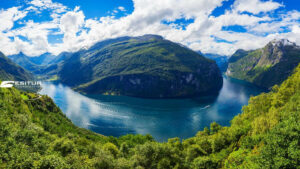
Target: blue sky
(215, 26)
(91, 8)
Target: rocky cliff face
(147, 66)
(267, 66)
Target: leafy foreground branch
(36, 134)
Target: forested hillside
(11, 71)
(267, 66)
(34, 133)
(147, 66)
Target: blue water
(163, 119)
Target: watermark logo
(20, 84)
(7, 84)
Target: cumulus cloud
(255, 6)
(48, 4)
(9, 16)
(205, 31)
(71, 22)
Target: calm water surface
(163, 119)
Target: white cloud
(296, 29)
(9, 16)
(147, 18)
(121, 8)
(48, 4)
(115, 11)
(71, 22)
(37, 35)
(255, 6)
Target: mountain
(267, 66)
(238, 55)
(222, 61)
(36, 134)
(61, 57)
(146, 66)
(35, 64)
(43, 59)
(11, 71)
(24, 61)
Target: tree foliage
(36, 134)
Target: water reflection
(163, 119)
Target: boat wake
(206, 107)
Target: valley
(149, 84)
(164, 79)
(121, 115)
(44, 137)
(145, 102)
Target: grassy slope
(241, 67)
(35, 134)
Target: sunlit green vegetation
(24, 97)
(36, 134)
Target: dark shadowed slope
(11, 71)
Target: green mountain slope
(38, 65)
(35, 134)
(267, 66)
(11, 71)
(239, 54)
(43, 59)
(24, 61)
(146, 66)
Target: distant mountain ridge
(222, 61)
(43, 59)
(144, 66)
(267, 66)
(11, 71)
(24, 61)
(39, 65)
